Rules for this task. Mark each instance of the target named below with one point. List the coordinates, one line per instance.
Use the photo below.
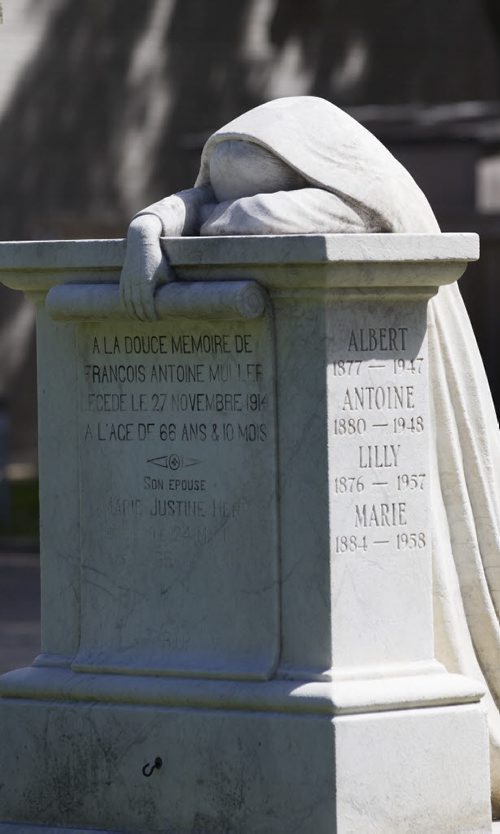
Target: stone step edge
(345, 697)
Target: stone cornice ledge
(277, 262)
(330, 698)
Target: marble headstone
(236, 564)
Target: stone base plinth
(252, 758)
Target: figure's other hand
(145, 266)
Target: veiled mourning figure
(301, 165)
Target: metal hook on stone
(148, 769)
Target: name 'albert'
(378, 338)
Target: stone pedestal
(236, 575)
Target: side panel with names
(379, 483)
(178, 499)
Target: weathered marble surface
(323, 672)
(178, 470)
(301, 165)
(296, 165)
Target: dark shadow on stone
(208, 78)
(60, 139)
(58, 148)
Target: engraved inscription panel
(379, 481)
(178, 498)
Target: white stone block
(236, 565)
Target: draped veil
(352, 175)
